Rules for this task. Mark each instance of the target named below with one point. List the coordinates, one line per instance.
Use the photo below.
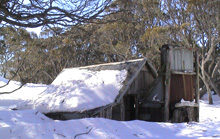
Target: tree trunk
(210, 97)
(209, 93)
(212, 83)
(202, 92)
(206, 81)
(215, 87)
(215, 70)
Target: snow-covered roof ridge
(110, 64)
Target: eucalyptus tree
(206, 15)
(123, 38)
(49, 13)
(193, 24)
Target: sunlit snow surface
(32, 124)
(78, 90)
(73, 90)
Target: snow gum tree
(206, 16)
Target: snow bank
(32, 124)
(27, 94)
(80, 89)
(29, 124)
(11, 118)
(10, 87)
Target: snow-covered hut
(128, 90)
(111, 90)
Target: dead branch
(15, 74)
(12, 90)
(61, 135)
(82, 133)
(19, 86)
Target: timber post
(167, 86)
(197, 96)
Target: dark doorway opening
(130, 107)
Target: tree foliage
(106, 35)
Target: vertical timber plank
(122, 110)
(110, 116)
(197, 83)
(167, 86)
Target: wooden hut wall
(127, 109)
(142, 82)
(106, 113)
(138, 88)
(115, 112)
(156, 91)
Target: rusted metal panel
(181, 60)
(181, 88)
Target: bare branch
(52, 12)
(13, 90)
(82, 133)
(215, 70)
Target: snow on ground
(27, 94)
(32, 124)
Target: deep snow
(32, 124)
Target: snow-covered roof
(86, 88)
(80, 89)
